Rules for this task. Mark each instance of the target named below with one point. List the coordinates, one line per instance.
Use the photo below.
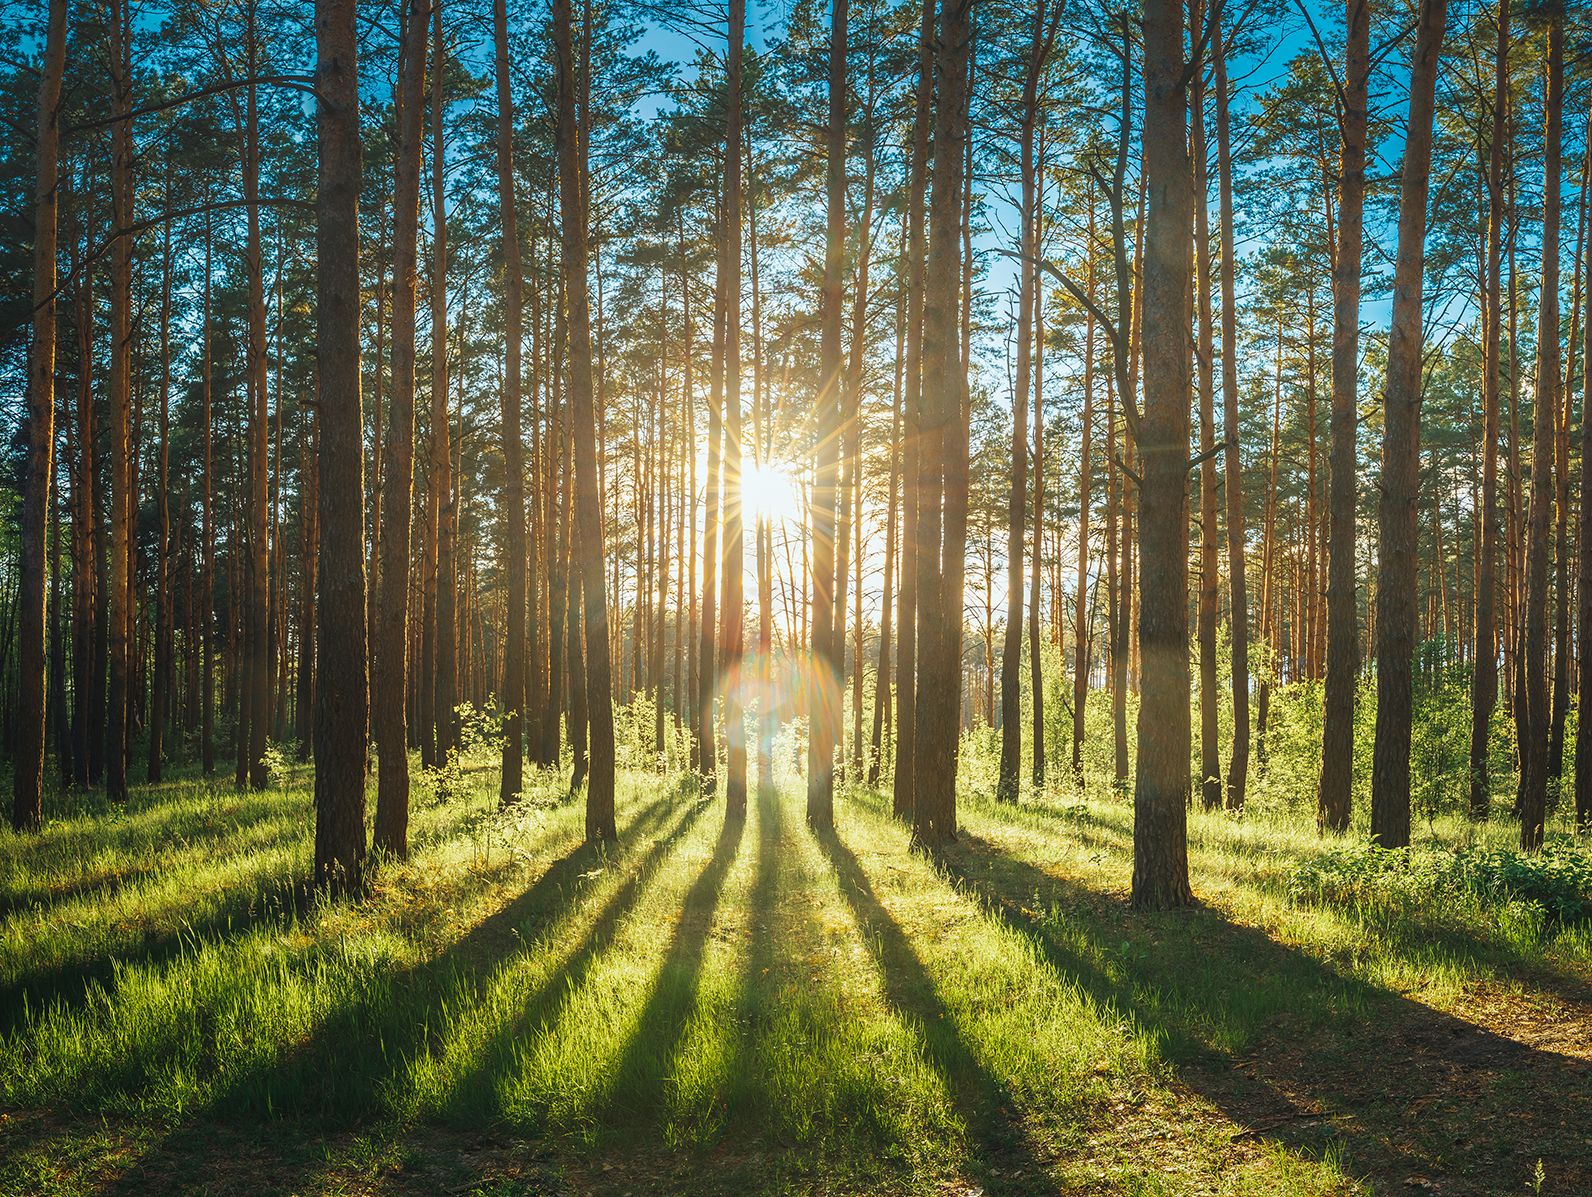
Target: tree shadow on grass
(1410, 1091)
(1415, 932)
(1004, 1153)
(477, 1089)
(337, 1079)
(643, 1070)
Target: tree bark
(733, 570)
(1237, 581)
(1160, 846)
(828, 653)
(513, 450)
(1343, 636)
(27, 810)
(1400, 488)
(912, 383)
(1535, 727)
(588, 550)
(942, 493)
(391, 659)
(341, 693)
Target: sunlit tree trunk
(1535, 726)
(588, 547)
(391, 657)
(1343, 643)
(1160, 848)
(1396, 581)
(912, 391)
(1237, 581)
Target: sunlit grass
(747, 1000)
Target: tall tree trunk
(588, 549)
(257, 640)
(1583, 724)
(341, 692)
(118, 389)
(27, 810)
(733, 571)
(1560, 702)
(439, 494)
(1209, 598)
(160, 689)
(513, 451)
(1535, 727)
(1042, 36)
(1160, 847)
(1343, 643)
(902, 800)
(1401, 436)
(828, 653)
(1080, 641)
(942, 493)
(391, 658)
(1237, 582)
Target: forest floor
(743, 1006)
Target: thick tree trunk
(1343, 643)
(341, 692)
(27, 810)
(1160, 847)
(1396, 575)
(391, 657)
(942, 493)
(588, 549)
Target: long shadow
(334, 1080)
(1412, 933)
(477, 1087)
(1410, 1091)
(1004, 1154)
(639, 1076)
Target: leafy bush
(1557, 883)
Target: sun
(769, 492)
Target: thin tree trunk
(1343, 644)
(27, 811)
(902, 800)
(1535, 727)
(1237, 582)
(513, 690)
(588, 550)
(828, 652)
(391, 658)
(733, 571)
(119, 617)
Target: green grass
(743, 1006)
